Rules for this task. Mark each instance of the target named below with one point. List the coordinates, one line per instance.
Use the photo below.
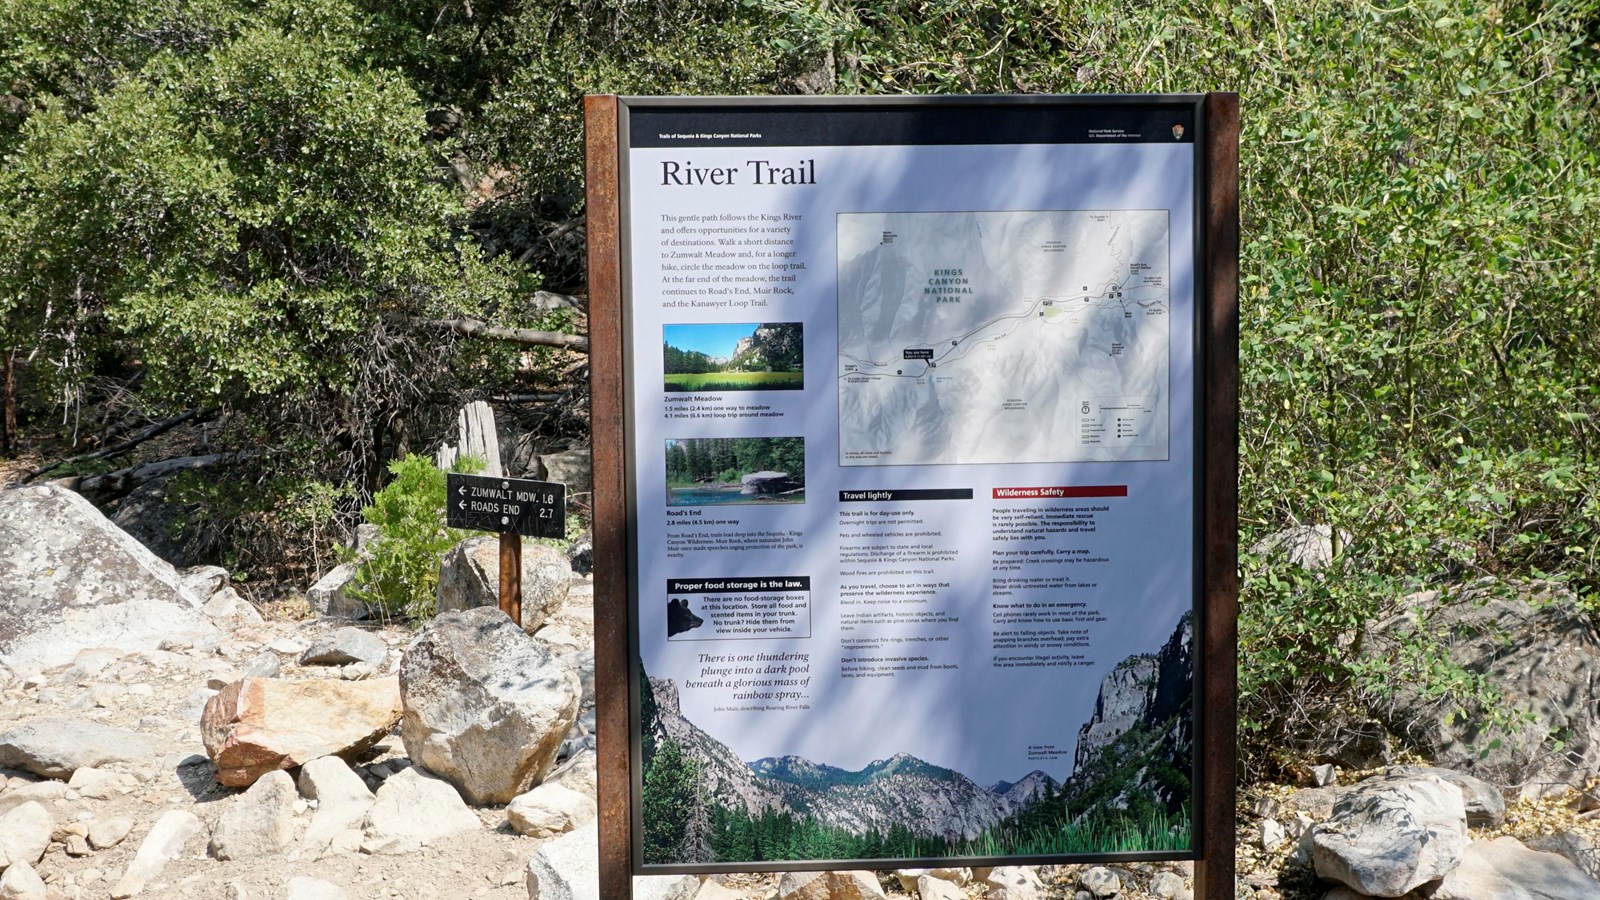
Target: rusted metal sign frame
(1217, 400)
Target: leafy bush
(1420, 188)
(400, 573)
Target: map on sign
(1002, 337)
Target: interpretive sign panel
(941, 366)
(506, 505)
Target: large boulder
(150, 516)
(70, 580)
(573, 468)
(1486, 807)
(1389, 835)
(259, 725)
(1307, 546)
(56, 748)
(1540, 651)
(469, 577)
(486, 706)
(1504, 869)
(566, 868)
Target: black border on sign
(1215, 364)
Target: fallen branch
(124, 480)
(527, 336)
(155, 430)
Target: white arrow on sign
(462, 490)
(461, 505)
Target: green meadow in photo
(740, 356)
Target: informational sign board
(506, 505)
(909, 402)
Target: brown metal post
(1219, 640)
(511, 575)
(603, 150)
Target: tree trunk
(9, 438)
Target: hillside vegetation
(299, 232)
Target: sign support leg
(511, 575)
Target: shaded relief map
(1002, 337)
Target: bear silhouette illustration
(679, 617)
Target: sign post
(512, 507)
(917, 412)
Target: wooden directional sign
(507, 505)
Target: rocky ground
(159, 737)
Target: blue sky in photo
(715, 340)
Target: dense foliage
(251, 209)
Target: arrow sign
(507, 506)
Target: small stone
(77, 845)
(344, 646)
(342, 803)
(262, 665)
(414, 809)
(1272, 834)
(259, 822)
(35, 792)
(1324, 775)
(21, 882)
(855, 885)
(1100, 881)
(931, 888)
(1298, 826)
(1014, 883)
(287, 646)
(106, 696)
(1165, 885)
(302, 887)
(99, 784)
(25, 833)
(549, 809)
(107, 833)
(194, 704)
(164, 842)
(664, 887)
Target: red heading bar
(1055, 493)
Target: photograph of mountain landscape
(733, 357)
(1129, 791)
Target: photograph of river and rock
(726, 471)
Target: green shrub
(399, 575)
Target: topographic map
(1002, 337)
